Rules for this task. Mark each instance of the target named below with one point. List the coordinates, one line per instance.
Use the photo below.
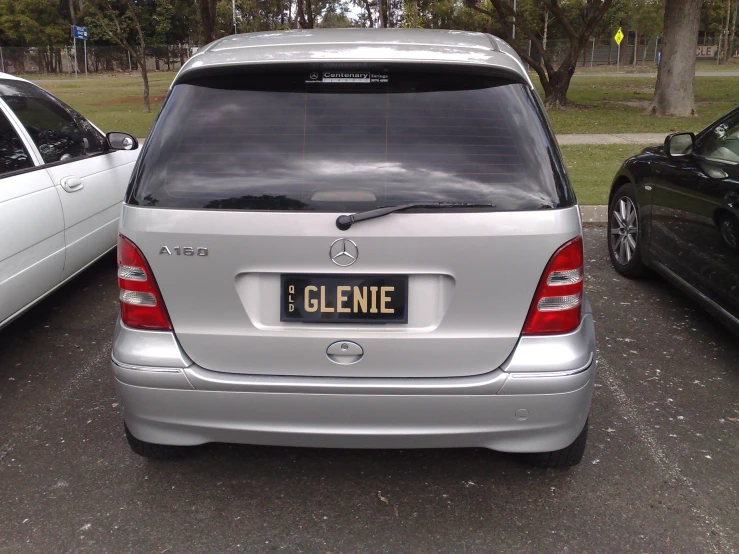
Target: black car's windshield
(312, 141)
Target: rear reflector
(138, 298)
(557, 304)
(142, 306)
(131, 273)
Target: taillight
(141, 303)
(558, 301)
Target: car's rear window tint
(301, 141)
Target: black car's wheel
(154, 451)
(567, 457)
(623, 232)
(729, 228)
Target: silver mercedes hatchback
(354, 238)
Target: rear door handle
(71, 183)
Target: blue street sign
(79, 32)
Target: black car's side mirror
(679, 145)
(122, 141)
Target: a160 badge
(344, 299)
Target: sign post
(79, 33)
(618, 38)
(592, 52)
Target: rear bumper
(538, 401)
(189, 417)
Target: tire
(729, 228)
(567, 457)
(155, 451)
(624, 236)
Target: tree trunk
(725, 33)
(610, 49)
(208, 19)
(72, 12)
(309, 13)
(145, 78)
(674, 93)
(555, 92)
(622, 53)
(636, 47)
(729, 52)
(383, 10)
(546, 28)
(368, 8)
(300, 15)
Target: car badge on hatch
(343, 252)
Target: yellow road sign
(619, 36)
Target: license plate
(344, 299)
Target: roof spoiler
(221, 70)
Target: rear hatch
(236, 198)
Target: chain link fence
(604, 51)
(98, 59)
(105, 59)
(600, 52)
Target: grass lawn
(616, 105)
(113, 102)
(592, 167)
(609, 104)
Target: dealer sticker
(346, 77)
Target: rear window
(335, 141)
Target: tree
(645, 18)
(732, 33)
(720, 19)
(35, 23)
(383, 13)
(208, 19)
(305, 14)
(673, 93)
(575, 19)
(117, 21)
(333, 19)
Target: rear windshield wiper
(343, 222)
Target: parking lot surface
(660, 473)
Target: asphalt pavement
(660, 473)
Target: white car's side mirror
(122, 141)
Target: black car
(675, 209)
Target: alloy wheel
(730, 233)
(624, 230)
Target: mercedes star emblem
(343, 252)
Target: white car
(62, 182)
